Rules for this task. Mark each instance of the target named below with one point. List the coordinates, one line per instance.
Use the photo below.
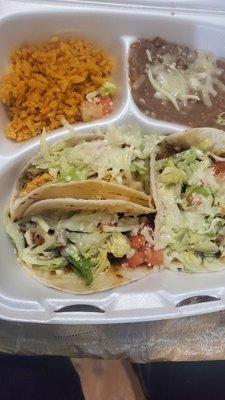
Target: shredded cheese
(148, 235)
(178, 86)
(138, 82)
(221, 120)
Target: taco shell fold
(85, 190)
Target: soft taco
(188, 186)
(84, 246)
(114, 165)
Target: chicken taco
(83, 246)
(188, 186)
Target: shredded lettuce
(41, 222)
(187, 157)
(202, 190)
(138, 166)
(107, 89)
(42, 261)
(86, 240)
(186, 239)
(204, 145)
(187, 162)
(171, 175)
(121, 157)
(118, 245)
(142, 173)
(99, 258)
(76, 241)
(13, 230)
(220, 120)
(44, 147)
(100, 261)
(189, 260)
(76, 173)
(86, 222)
(124, 225)
(48, 243)
(191, 222)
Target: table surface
(183, 339)
(192, 338)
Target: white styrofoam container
(113, 27)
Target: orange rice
(48, 81)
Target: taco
(84, 248)
(188, 186)
(117, 162)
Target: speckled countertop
(192, 338)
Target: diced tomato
(136, 260)
(91, 110)
(219, 169)
(153, 257)
(145, 255)
(137, 241)
(194, 200)
(106, 104)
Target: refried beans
(191, 112)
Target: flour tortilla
(72, 283)
(86, 190)
(112, 206)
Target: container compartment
(157, 295)
(41, 27)
(179, 84)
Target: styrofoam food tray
(155, 296)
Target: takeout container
(159, 295)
